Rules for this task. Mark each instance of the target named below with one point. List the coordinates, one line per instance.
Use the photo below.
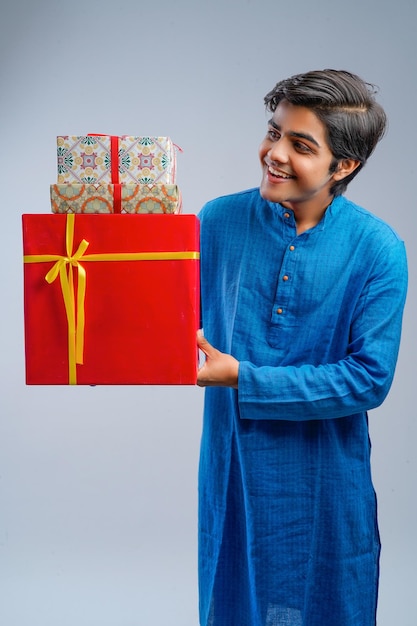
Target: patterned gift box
(111, 299)
(105, 159)
(101, 198)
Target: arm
(357, 382)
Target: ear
(345, 167)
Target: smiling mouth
(278, 174)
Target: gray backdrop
(98, 485)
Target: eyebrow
(295, 134)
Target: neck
(308, 217)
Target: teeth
(277, 173)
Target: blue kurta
(288, 530)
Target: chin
(270, 194)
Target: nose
(278, 151)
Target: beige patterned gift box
(101, 198)
(109, 159)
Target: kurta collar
(287, 215)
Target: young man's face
(295, 159)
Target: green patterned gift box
(110, 159)
(108, 198)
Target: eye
(273, 134)
(302, 147)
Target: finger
(203, 344)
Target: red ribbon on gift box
(114, 168)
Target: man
(302, 300)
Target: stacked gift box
(111, 273)
(108, 174)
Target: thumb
(203, 344)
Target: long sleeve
(357, 382)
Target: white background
(98, 494)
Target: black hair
(346, 105)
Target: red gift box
(111, 299)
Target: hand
(219, 369)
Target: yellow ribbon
(75, 307)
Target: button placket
(284, 287)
